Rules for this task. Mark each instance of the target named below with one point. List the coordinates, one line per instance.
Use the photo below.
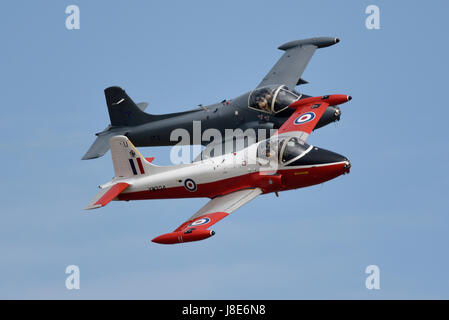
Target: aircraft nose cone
(347, 166)
(318, 156)
(326, 156)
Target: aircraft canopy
(284, 149)
(272, 99)
(291, 148)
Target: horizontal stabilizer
(142, 105)
(99, 147)
(106, 195)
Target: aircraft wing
(304, 119)
(291, 65)
(196, 228)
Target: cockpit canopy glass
(292, 148)
(272, 99)
(283, 150)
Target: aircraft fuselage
(235, 171)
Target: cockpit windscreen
(291, 148)
(283, 149)
(272, 99)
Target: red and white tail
(128, 161)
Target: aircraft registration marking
(157, 188)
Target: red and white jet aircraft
(283, 162)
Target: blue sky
(391, 211)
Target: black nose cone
(319, 156)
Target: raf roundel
(190, 185)
(199, 222)
(305, 117)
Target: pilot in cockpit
(264, 101)
(271, 149)
(272, 99)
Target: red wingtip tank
(183, 236)
(332, 100)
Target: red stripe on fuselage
(291, 179)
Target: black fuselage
(229, 114)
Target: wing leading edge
(196, 228)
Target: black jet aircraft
(265, 107)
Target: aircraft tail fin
(128, 161)
(122, 109)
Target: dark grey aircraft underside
(265, 107)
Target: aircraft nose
(321, 156)
(318, 156)
(347, 166)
